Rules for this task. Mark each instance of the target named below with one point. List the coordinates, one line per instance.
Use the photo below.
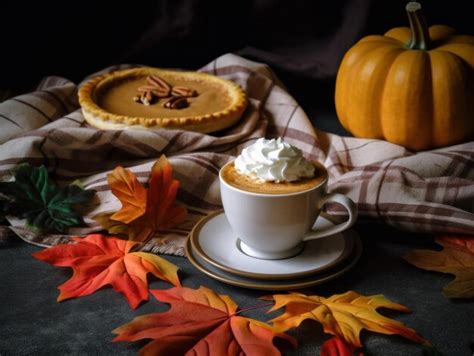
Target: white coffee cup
(275, 226)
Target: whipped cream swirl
(273, 160)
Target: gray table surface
(33, 323)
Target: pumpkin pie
(152, 98)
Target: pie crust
(107, 102)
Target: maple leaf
(45, 206)
(342, 315)
(337, 347)
(125, 186)
(144, 211)
(99, 260)
(200, 322)
(456, 258)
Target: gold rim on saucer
(194, 237)
(303, 282)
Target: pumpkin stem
(420, 36)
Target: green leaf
(45, 206)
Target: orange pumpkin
(413, 86)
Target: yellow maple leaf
(456, 258)
(343, 315)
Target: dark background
(303, 41)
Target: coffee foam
(252, 184)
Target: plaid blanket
(430, 191)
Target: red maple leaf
(199, 321)
(336, 346)
(99, 260)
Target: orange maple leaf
(99, 260)
(456, 258)
(343, 315)
(200, 322)
(144, 211)
(133, 196)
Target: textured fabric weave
(430, 191)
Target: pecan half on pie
(152, 98)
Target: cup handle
(346, 203)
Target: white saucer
(275, 284)
(214, 242)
